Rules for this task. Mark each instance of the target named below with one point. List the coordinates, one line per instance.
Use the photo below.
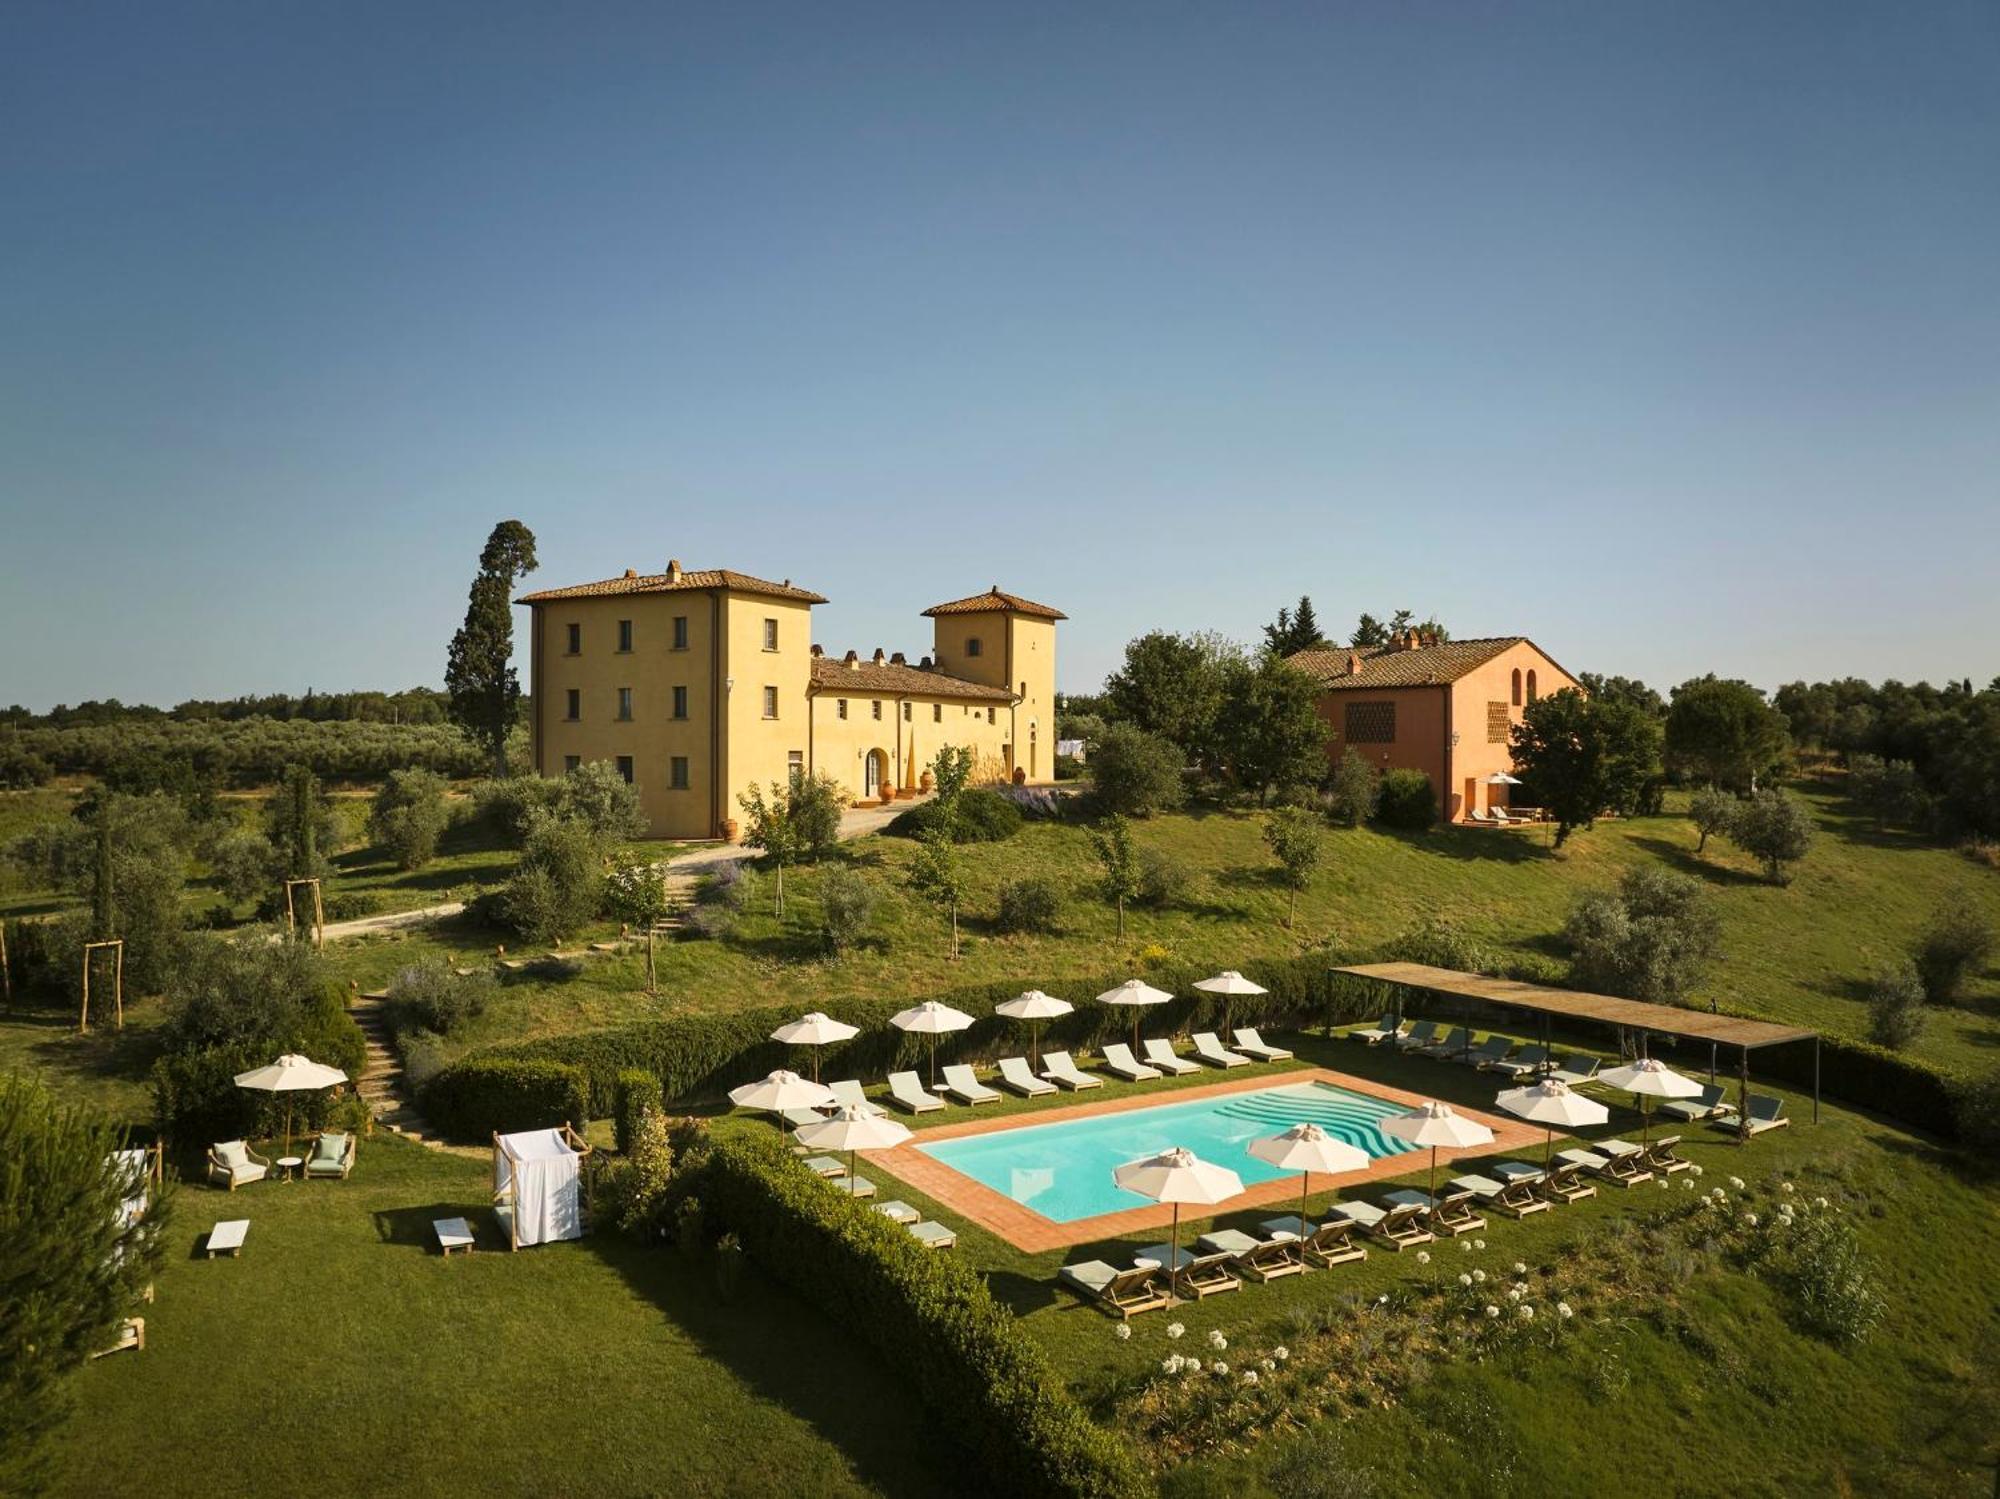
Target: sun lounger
(853, 1186)
(1126, 1292)
(962, 1083)
(933, 1235)
(227, 1237)
(907, 1092)
(898, 1211)
(1614, 1164)
(1160, 1053)
(1484, 819)
(1060, 1070)
(1528, 1062)
(1197, 1274)
(1374, 1035)
(1247, 1040)
(1766, 1112)
(235, 1164)
(847, 1094)
(1119, 1062)
(1014, 1075)
(1710, 1103)
(800, 1118)
(1399, 1226)
(827, 1165)
(332, 1155)
(1259, 1259)
(131, 1334)
(1516, 1199)
(1208, 1049)
(1576, 1069)
(1420, 1035)
(1563, 1181)
(1330, 1243)
(1661, 1156)
(1492, 1049)
(1451, 1044)
(1450, 1214)
(453, 1235)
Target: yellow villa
(698, 684)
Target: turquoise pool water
(1063, 1170)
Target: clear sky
(1668, 334)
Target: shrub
(1713, 813)
(1652, 938)
(637, 1091)
(1163, 880)
(1828, 1278)
(1068, 767)
(1033, 904)
(22, 770)
(1404, 799)
(927, 1314)
(817, 802)
(1976, 1116)
(559, 884)
(847, 907)
(637, 1186)
(597, 796)
(428, 996)
(1982, 851)
(1135, 773)
(408, 816)
(480, 1096)
(508, 808)
(1774, 827)
(1440, 942)
(1951, 949)
(983, 815)
(1351, 790)
(1895, 1005)
(244, 865)
(690, 1227)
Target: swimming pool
(1063, 1170)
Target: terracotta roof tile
(1387, 666)
(993, 601)
(833, 675)
(675, 582)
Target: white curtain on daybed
(542, 1170)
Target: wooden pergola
(1602, 1009)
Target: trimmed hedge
(638, 1090)
(930, 1316)
(984, 816)
(484, 1095)
(1870, 1077)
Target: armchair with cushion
(332, 1155)
(234, 1164)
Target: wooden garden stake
(117, 945)
(319, 912)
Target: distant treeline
(187, 757)
(419, 705)
(1949, 736)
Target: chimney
(1354, 663)
(925, 664)
(879, 657)
(1411, 641)
(818, 651)
(631, 572)
(898, 659)
(851, 661)
(673, 569)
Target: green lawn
(340, 1355)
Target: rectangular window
(770, 702)
(795, 762)
(680, 702)
(906, 713)
(625, 769)
(575, 634)
(677, 773)
(770, 634)
(680, 632)
(624, 703)
(570, 762)
(1496, 721)
(625, 635)
(840, 707)
(989, 715)
(937, 712)
(972, 646)
(573, 704)
(1371, 723)
(877, 707)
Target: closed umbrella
(780, 1091)
(1229, 983)
(1553, 1104)
(851, 1129)
(815, 1030)
(1649, 1078)
(1138, 994)
(290, 1074)
(1435, 1124)
(1033, 1007)
(931, 1019)
(1177, 1176)
(1306, 1148)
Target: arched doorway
(874, 772)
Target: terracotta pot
(888, 795)
(729, 830)
(927, 782)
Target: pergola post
(1743, 1099)
(1815, 1079)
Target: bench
(227, 1236)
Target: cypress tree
(479, 672)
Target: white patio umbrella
(1306, 1148)
(1435, 1124)
(1229, 983)
(780, 1091)
(1649, 1078)
(815, 1030)
(931, 1019)
(1034, 1007)
(1177, 1176)
(291, 1073)
(1501, 778)
(1552, 1103)
(851, 1129)
(1138, 994)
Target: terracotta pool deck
(1028, 1230)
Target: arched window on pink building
(1531, 685)
(1517, 686)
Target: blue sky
(1667, 334)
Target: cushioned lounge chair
(1516, 1199)
(898, 1211)
(1661, 1156)
(1126, 1292)
(933, 1235)
(847, 1094)
(1120, 1063)
(1528, 1062)
(1210, 1050)
(962, 1083)
(1247, 1040)
(1613, 1167)
(1420, 1035)
(1448, 1214)
(1060, 1070)
(1766, 1112)
(1375, 1035)
(1326, 1244)
(1015, 1076)
(853, 1186)
(826, 1165)
(234, 1164)
(1485, 819)
(1197, 1272)
(907, 1092)
(1160, 1053)
(1711, 1103)
(1492, 1049)
(331, 1156)
(1563, 1181)
(1576, 1069)
(1400, 1226)
(1450, 1044)
(1258, 1259)
(800, 1118)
